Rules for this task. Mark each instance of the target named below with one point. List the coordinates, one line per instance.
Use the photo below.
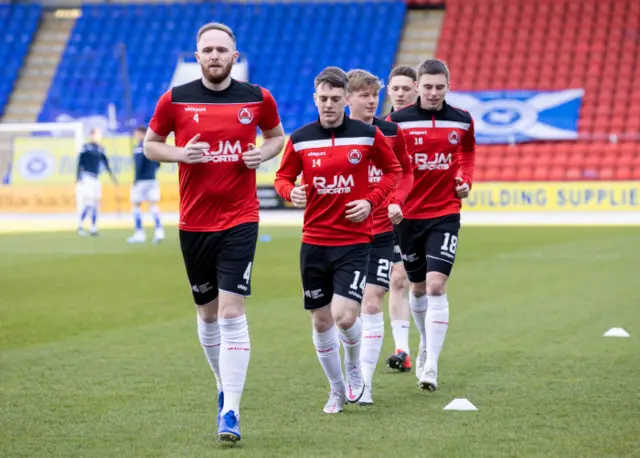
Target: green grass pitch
(99, 355)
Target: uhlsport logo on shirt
(195, 109)
(226, 152)
(245, 116)
(375, 174)
(437, 161)
(337, 184)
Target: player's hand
(193, 151)
(252, 157)
(462, 188)
(299, 196)
(358, 210)
(395, 213)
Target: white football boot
(137, 237)
(355, 382)
(366, 399)
(428, 380)
(158, 236)
(336, 403)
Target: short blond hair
(216, 26)
(360, 80)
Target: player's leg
(400, 314)
(350, 266)
(441, 248)
(378, 277)
(234, 266)
(153, 197)
(411, 237)
(199, 254)
(96, 197)
(314, 270)
(318, 291)
(137, 197)
(82, 206)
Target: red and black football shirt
(221, 192)
(335, 164)
(442, 145)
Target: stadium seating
(18, 24)
(554, 44)
(286, 45)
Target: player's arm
(286, 176)
(464, 180)
(272, 133)
(273, 142)
(406, 179)
(105, 161)
(468, 156)
(384, 159)
(80, 166)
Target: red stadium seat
(551, 44)
(623, 173)
(557, 174)
(607, 173)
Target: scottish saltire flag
(521, 116)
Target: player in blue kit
(88, 187)
(145, 189)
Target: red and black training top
(442, 145)
(396, 140)
(335, 164)
(221, 192)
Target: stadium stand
(554, 44)
(18, 24)
(286, 45)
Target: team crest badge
(245, 116)
(355, 156)
(454, 137)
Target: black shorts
(428, 245)
(329, 270)
(219, 261)
(381, 260)
(397, 253)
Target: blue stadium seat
(286, 45)
(18, 24)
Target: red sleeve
(269, 116)
(162, 121)
(384, 159)
(288, 173)
(468, 156)
(406, 180)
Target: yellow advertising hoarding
(44, 173)
(61, 198)
(568, 196)
(44, 160)
(40, 160)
